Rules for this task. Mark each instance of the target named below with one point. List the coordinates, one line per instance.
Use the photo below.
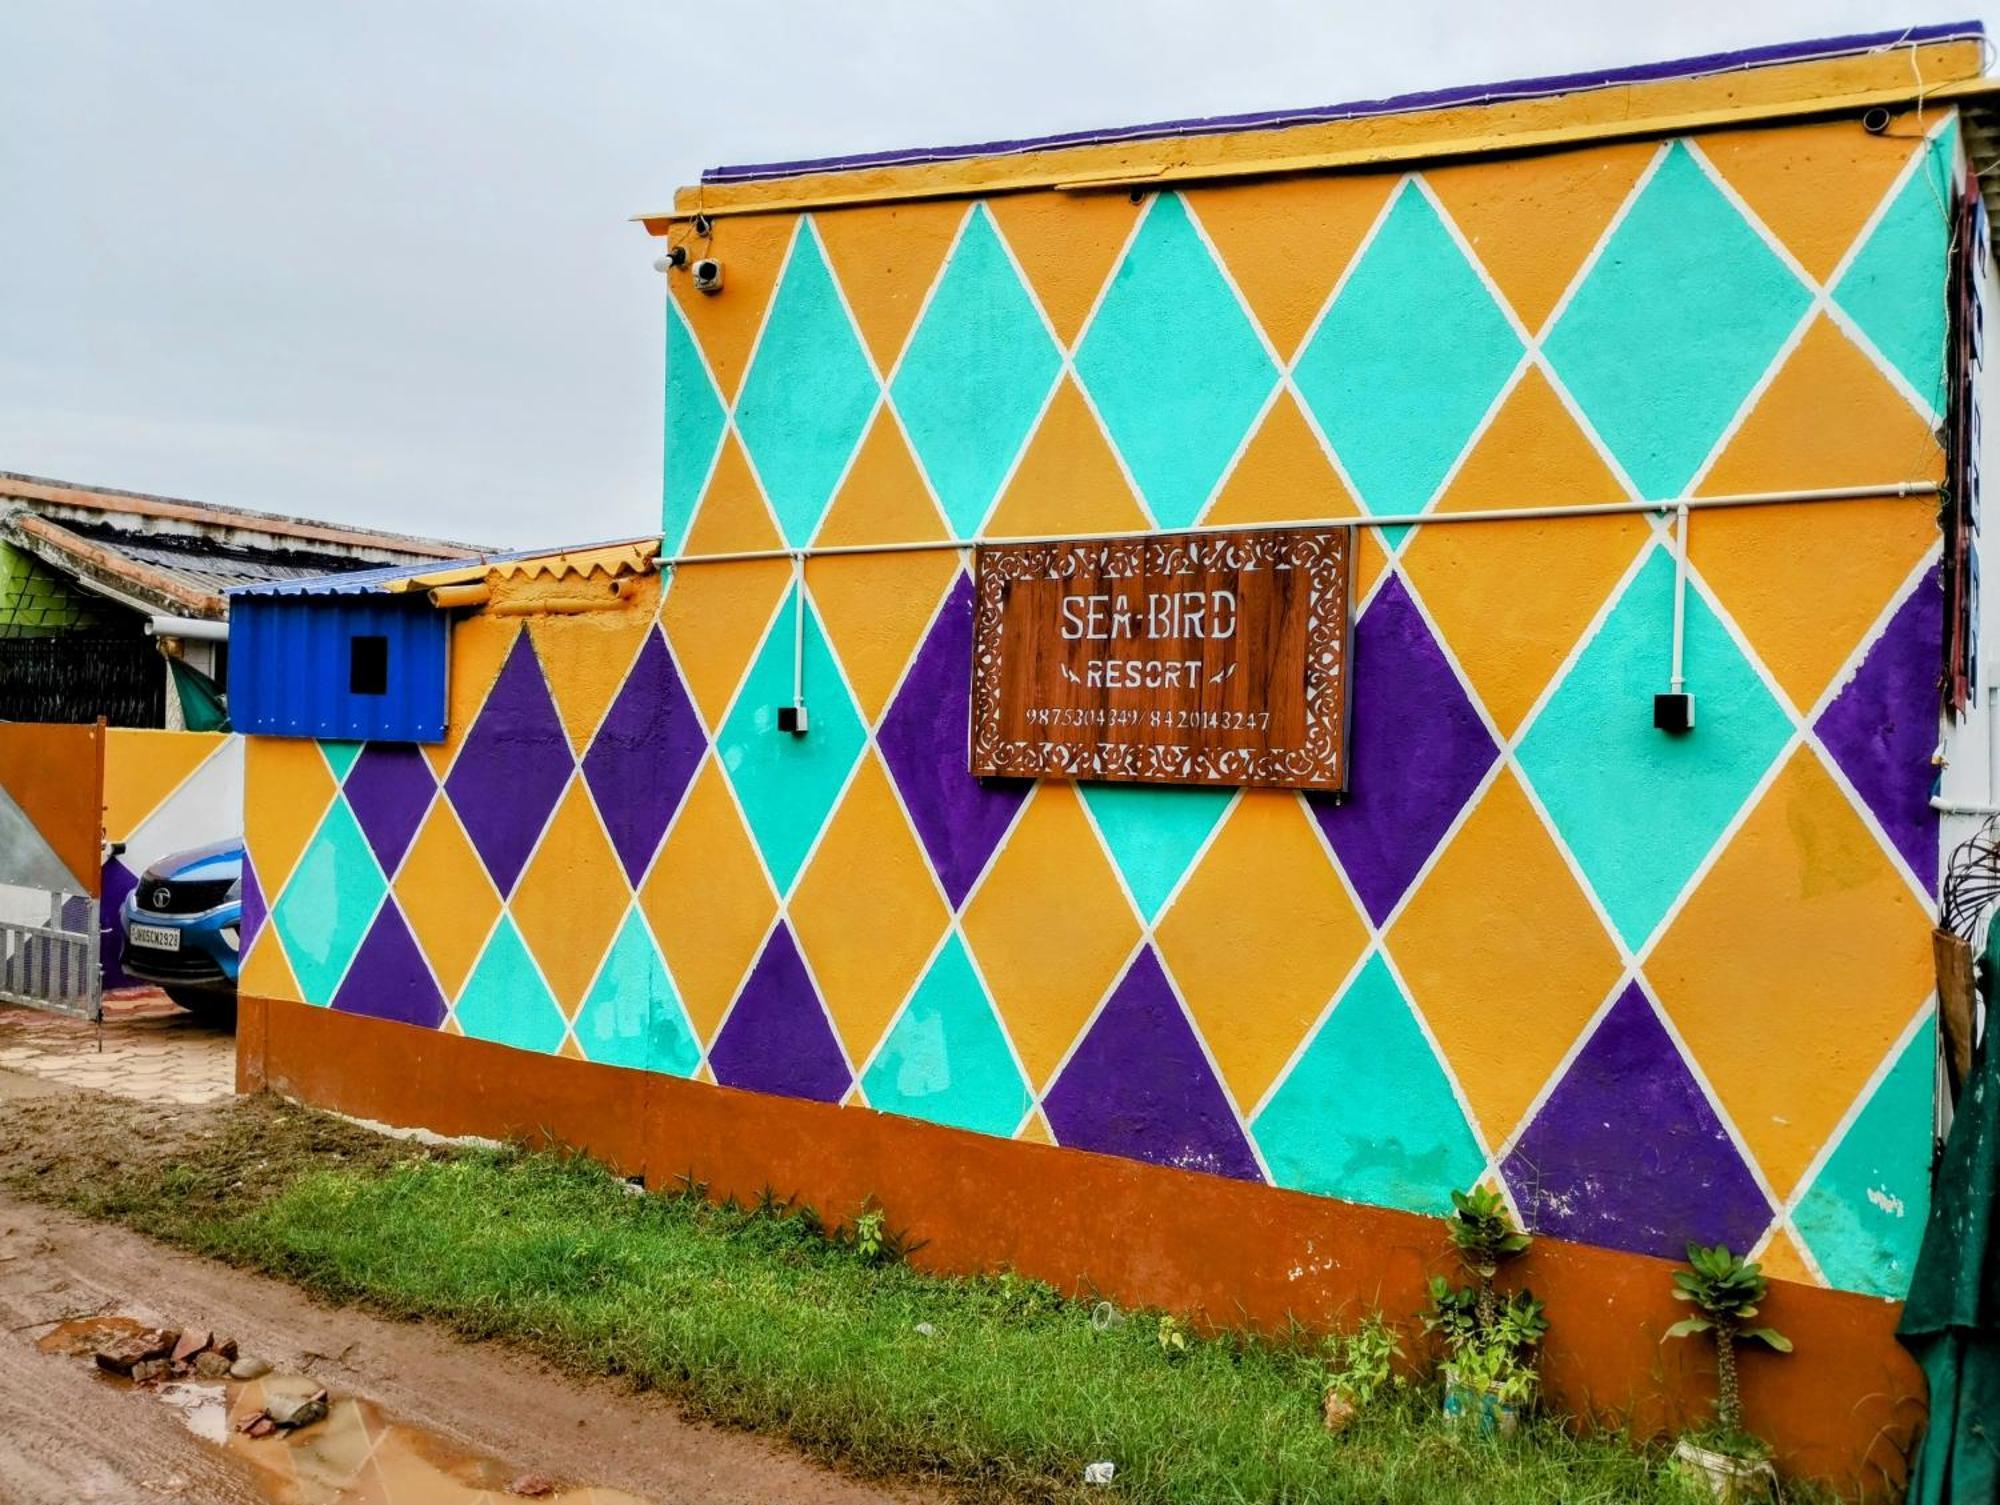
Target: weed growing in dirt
(765, 1318)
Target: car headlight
(233, 937)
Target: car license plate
(158, 937)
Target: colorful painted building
(1563, 353)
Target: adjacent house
(114, 603)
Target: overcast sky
(371, 260)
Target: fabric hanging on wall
(1951, 1323)
(203, 708)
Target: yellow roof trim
(1937, 73)
(608, 560)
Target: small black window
(368, 666)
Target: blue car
(183, 926)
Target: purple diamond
(1628, 1153)
(389, 789)
(1883, 727)
(924, 741)
(1139, 1085)
(254, 910)
(645, 755)
(388, 978)
(512, 769)
(1417, 750)
(117, 885)
(777, 1038)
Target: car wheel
(207, 1005)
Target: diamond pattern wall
(1407, 359)
(975, 375)
(1174, 364)
(1656, 988)
(1673, 324)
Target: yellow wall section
(1264, 903)
(752, 252)
(885, 258)
(1794, 967)
(143, 767)
(1513, 598)
(883, 498)
(1533, 220)
(715, 615)
(1068, 480)
(867, 912)
(1813, 185)
(572, 897)
(1287, 242)
(1500, 917)
(732, 517)
(585, 657)
(1066, 243)
(1050, 926)
(292, 788)
(1806, 587)
(708, 900)
(444, 893)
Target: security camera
(676, 256)
(707, 275)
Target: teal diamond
(1154, 832)
(788, 783)
(975, 376)
(1895, 287)
(1174, 365)
(1680, 315)
(1366, 1113)
(632, 1015)
(946, 1059)
(694, 430)
(328, 905)
(1407, 360)
(1863, 1218)
(505, 999)
(340, 757)
(1639, 808)
(809, 392)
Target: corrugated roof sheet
(623, 557)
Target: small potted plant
(1725, 1290)
(1357, 1367)
(1491, 1341)
(1491, 1376)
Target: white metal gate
(53, 964)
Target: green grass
(757, 1319)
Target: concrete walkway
(145, 1049)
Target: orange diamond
(708, 900)
(1794, 967)
(1500, 935)
(867, 912)
(572, 897)
(1264, 903)
(1050, 927)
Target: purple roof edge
(1464, 94)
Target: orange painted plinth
(1842, 1408)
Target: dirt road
(68, 1434)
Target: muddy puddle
(356, 1456)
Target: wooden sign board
(1181, 658)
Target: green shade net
(1951, 1322)
(202, 706)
